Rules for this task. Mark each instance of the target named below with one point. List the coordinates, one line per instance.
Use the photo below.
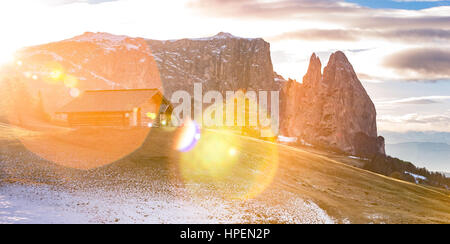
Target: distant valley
(433, 156)
(416, 136)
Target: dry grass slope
(346, 193)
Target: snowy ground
(138, 189)
(43, 204)
(147, 187)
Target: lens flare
(51, 83)
(188, 137)
(74, 92)
(56, 74)
(70, 81)
(151, 115)
(232, 152)
(227, 160)
(235, 167)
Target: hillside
(260, 182)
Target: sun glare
(7, 56)
(74, 92)
(56, 74)
(232, 151)
(215, 161)
(151, 115)
(189, 136)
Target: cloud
(421, 63)
(416, 119)
(337, 12)
(417, 35)
(354, 22)
(372, 78)
(318, 35)
(281, 56)
(387, 22)
(269, 9)
(351, 35)
(414, 122)
(418, 100)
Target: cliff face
(331, 110)
(87, 62)
(95, 61)
(222, 62)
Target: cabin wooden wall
(99, 119)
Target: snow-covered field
(147, 187)
(138, 189)
(21, 204)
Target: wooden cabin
(131, 107)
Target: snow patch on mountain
(219, 36)
(111, 43)
(99, 37)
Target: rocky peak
(99, 36)
(222, 62)
(339, 69)
(314, 74)
(90, 61)
(338, 58)
(338, 113)
(105, 61)
(224, 35)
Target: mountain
(89, 61)
(331, 110)
(222, 63)
(434, 156)
(105, 61)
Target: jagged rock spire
(314, 73)
(333, 109)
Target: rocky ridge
(332, 109)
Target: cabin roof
(110, 100)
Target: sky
(400, 49)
